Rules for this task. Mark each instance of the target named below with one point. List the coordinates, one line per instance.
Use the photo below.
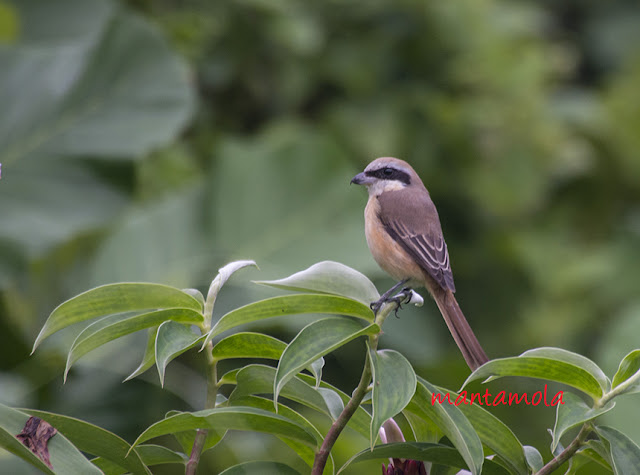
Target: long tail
(469, 345)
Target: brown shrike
(405, 237)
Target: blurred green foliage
(156, 140)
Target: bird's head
(386, 174)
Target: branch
(340, 423)
(567, 453)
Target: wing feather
(422, 239)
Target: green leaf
(94, 440)
(172, 340)
(258, 379)
(629, 367)
(424, 430)
(157, 455)
(263, 468)
(64, 457)
(329, 277)
(316, 340)
(249, 345)
(187, 438)
(332, 400)
(394, 383)
(290, 305)
(625, 453)
(150, 455)
(115, 326)
(572, 413)
(493, 433)
(115, 298)
(229, 418)
(534, 459)
(597, 451)
(451, 421)
(428, 452)
(305, 452)
(576, 359)
(540, 368)
(149, 358)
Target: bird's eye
(388, 171)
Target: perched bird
(405, 237)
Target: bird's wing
(414, 224)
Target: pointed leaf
(576, 359)
(572, 413)
(329, 277)
(224, 274)
(63, 455)
(451, 421)
(540, 368)
(115, 298)
(263, 468)
(625, 453)
(115, 326)
(316, 340)
(94, 440)
(172, 340)
(315, 368)
(394, 383)
(493, 433)
(436, 453)
(290, 305)
(249, 345)
(229, 418)
(629, 368)
(149, 358)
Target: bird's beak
(359, 179)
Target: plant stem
(567, 453)
(212, 394)
(358, 394)
(340, 423)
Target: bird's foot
(404, 296)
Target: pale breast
(385, 250)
